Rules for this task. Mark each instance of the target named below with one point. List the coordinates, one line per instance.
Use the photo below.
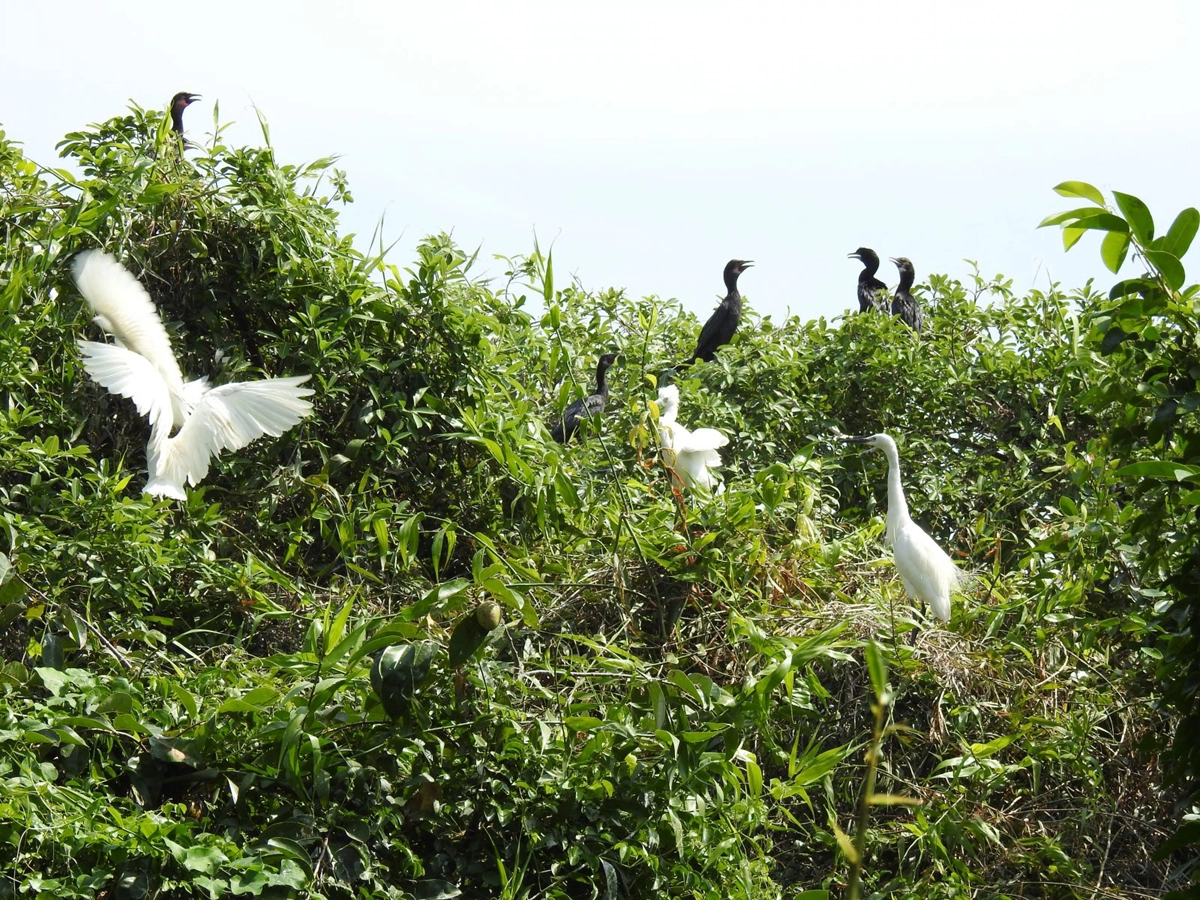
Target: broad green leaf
(1168, 266)
(1083, 212)
(1113, 249)
(1182, 231)
(1080, 189)
(582, 723)
(1071, 236)
(1137, 214)
(1157, 468)
(467, 637)
(1102, 222)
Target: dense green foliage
(289, 685)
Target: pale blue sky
(652, 141)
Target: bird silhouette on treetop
(179, 103)
(904, 304)
(872, 293)
(721, 325)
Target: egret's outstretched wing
(704, 439)
(124, 309)
(131, 375)
(227, 418)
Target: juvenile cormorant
(721, 325)
(566, 425)
(904, 304)
(179, 103)
(872, 293)
(141, 366)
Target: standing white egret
(142, 367)
(928, 573)
(691, 454)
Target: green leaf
(893, 800)
(877, 666)
(398, 671)
(1103, 222)
(582, 723)
(1168, 266)
(1113, 249)
(1071, 236)
(1137, 214)
(845, 843)
(1083, 212)
(1182, 231)
(1161, 469)
(1079, 189)
(467, 637)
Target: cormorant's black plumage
(872, 293)
(567, 424)
(719, 329)
(904, 304)
(179, 103)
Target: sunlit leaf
(1080, 189)
(1168, 266)
(1113, 249)
(1137, 214)
(1179, 236)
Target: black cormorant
(904, 304)
(565, 426)
(872, 293)
(179, 103)
(721, 325)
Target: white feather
(928, 573)
(226, 418)
(124, 310)
(143, 368)
(692, 454)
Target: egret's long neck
(897, 510)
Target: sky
(650, 142)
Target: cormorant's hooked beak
(191, 98)
(894, 259)
(854, 255)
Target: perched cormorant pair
(716, 333)
(872, 293)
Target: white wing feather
(705, 439)
(131, 375)
(124, 309)
(227, 418)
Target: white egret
(142, 367)
(691, 454)
(928, 573)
